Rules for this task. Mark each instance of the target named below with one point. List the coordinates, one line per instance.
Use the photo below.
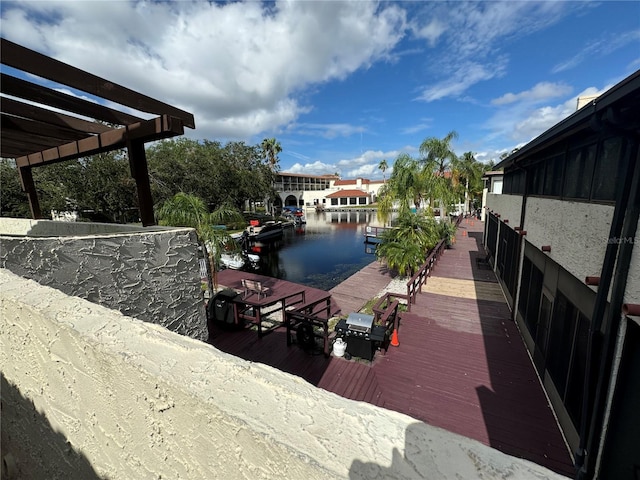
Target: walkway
(461, 364)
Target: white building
(326, 191)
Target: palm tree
(186, 210)
(405, 247)
(270, 150)
(469, 173)
(437, 158)
(383, 166)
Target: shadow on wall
(30, 447)
(429, 453)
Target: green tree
(233, 173)
(270, 150)
(185, 210)
(13, 201)
(437, 158)
(383, 167)
(468, 175)
(409, 184)
(405, 247)
(105, 185)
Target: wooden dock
(461, 364)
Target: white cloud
(328, 130)
(313, 168)
(467, 75)
(363, 165)
(599, 47)
(523, 121)
(541, 92)
(425, 124)
(237, 66)
(431, 31)
(473, 33)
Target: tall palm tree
(437, 158)
(437, 153)
(383, 166)
(469, 172)
(270, 150)
(186, 210)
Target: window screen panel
(606, 170)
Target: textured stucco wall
(508, 206)
(151, 275)
(118, 398)
(49, 228)
(577, 232)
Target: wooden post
(140, 173)
(26, 179)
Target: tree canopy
(101, 188)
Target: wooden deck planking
(461, 364)
(354, 292)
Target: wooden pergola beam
(19, 88)
(158, 128)
(25, 110)
(43, 66)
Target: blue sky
(343, 85)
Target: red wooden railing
(414, 285)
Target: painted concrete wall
(632, 293)
(577, 232)
(49, 228)
(91, 393)
(152, 275)
(508, 206)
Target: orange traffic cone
(394, 338)
(464, 233)
(472, 224)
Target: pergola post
(140, 173)
(26, 179)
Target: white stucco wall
(90, 390)
(632, 293)
(50, 228)
(577, 232)
(508, 206)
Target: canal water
(325, 251)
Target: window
(530, 293)
(492, 235)
(553, 176)
(575, 385)
(579, 172)
(562, 331)
(334, 201)
(362, 200)
(537, 179)
(606, 170)
(352, 200)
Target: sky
(345, 85)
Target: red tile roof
(348, 193)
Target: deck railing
(317, 314)
(414, 285)
(374, 232)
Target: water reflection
(328, 249)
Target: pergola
(41, 125)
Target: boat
(269, 231)
(232, 260)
